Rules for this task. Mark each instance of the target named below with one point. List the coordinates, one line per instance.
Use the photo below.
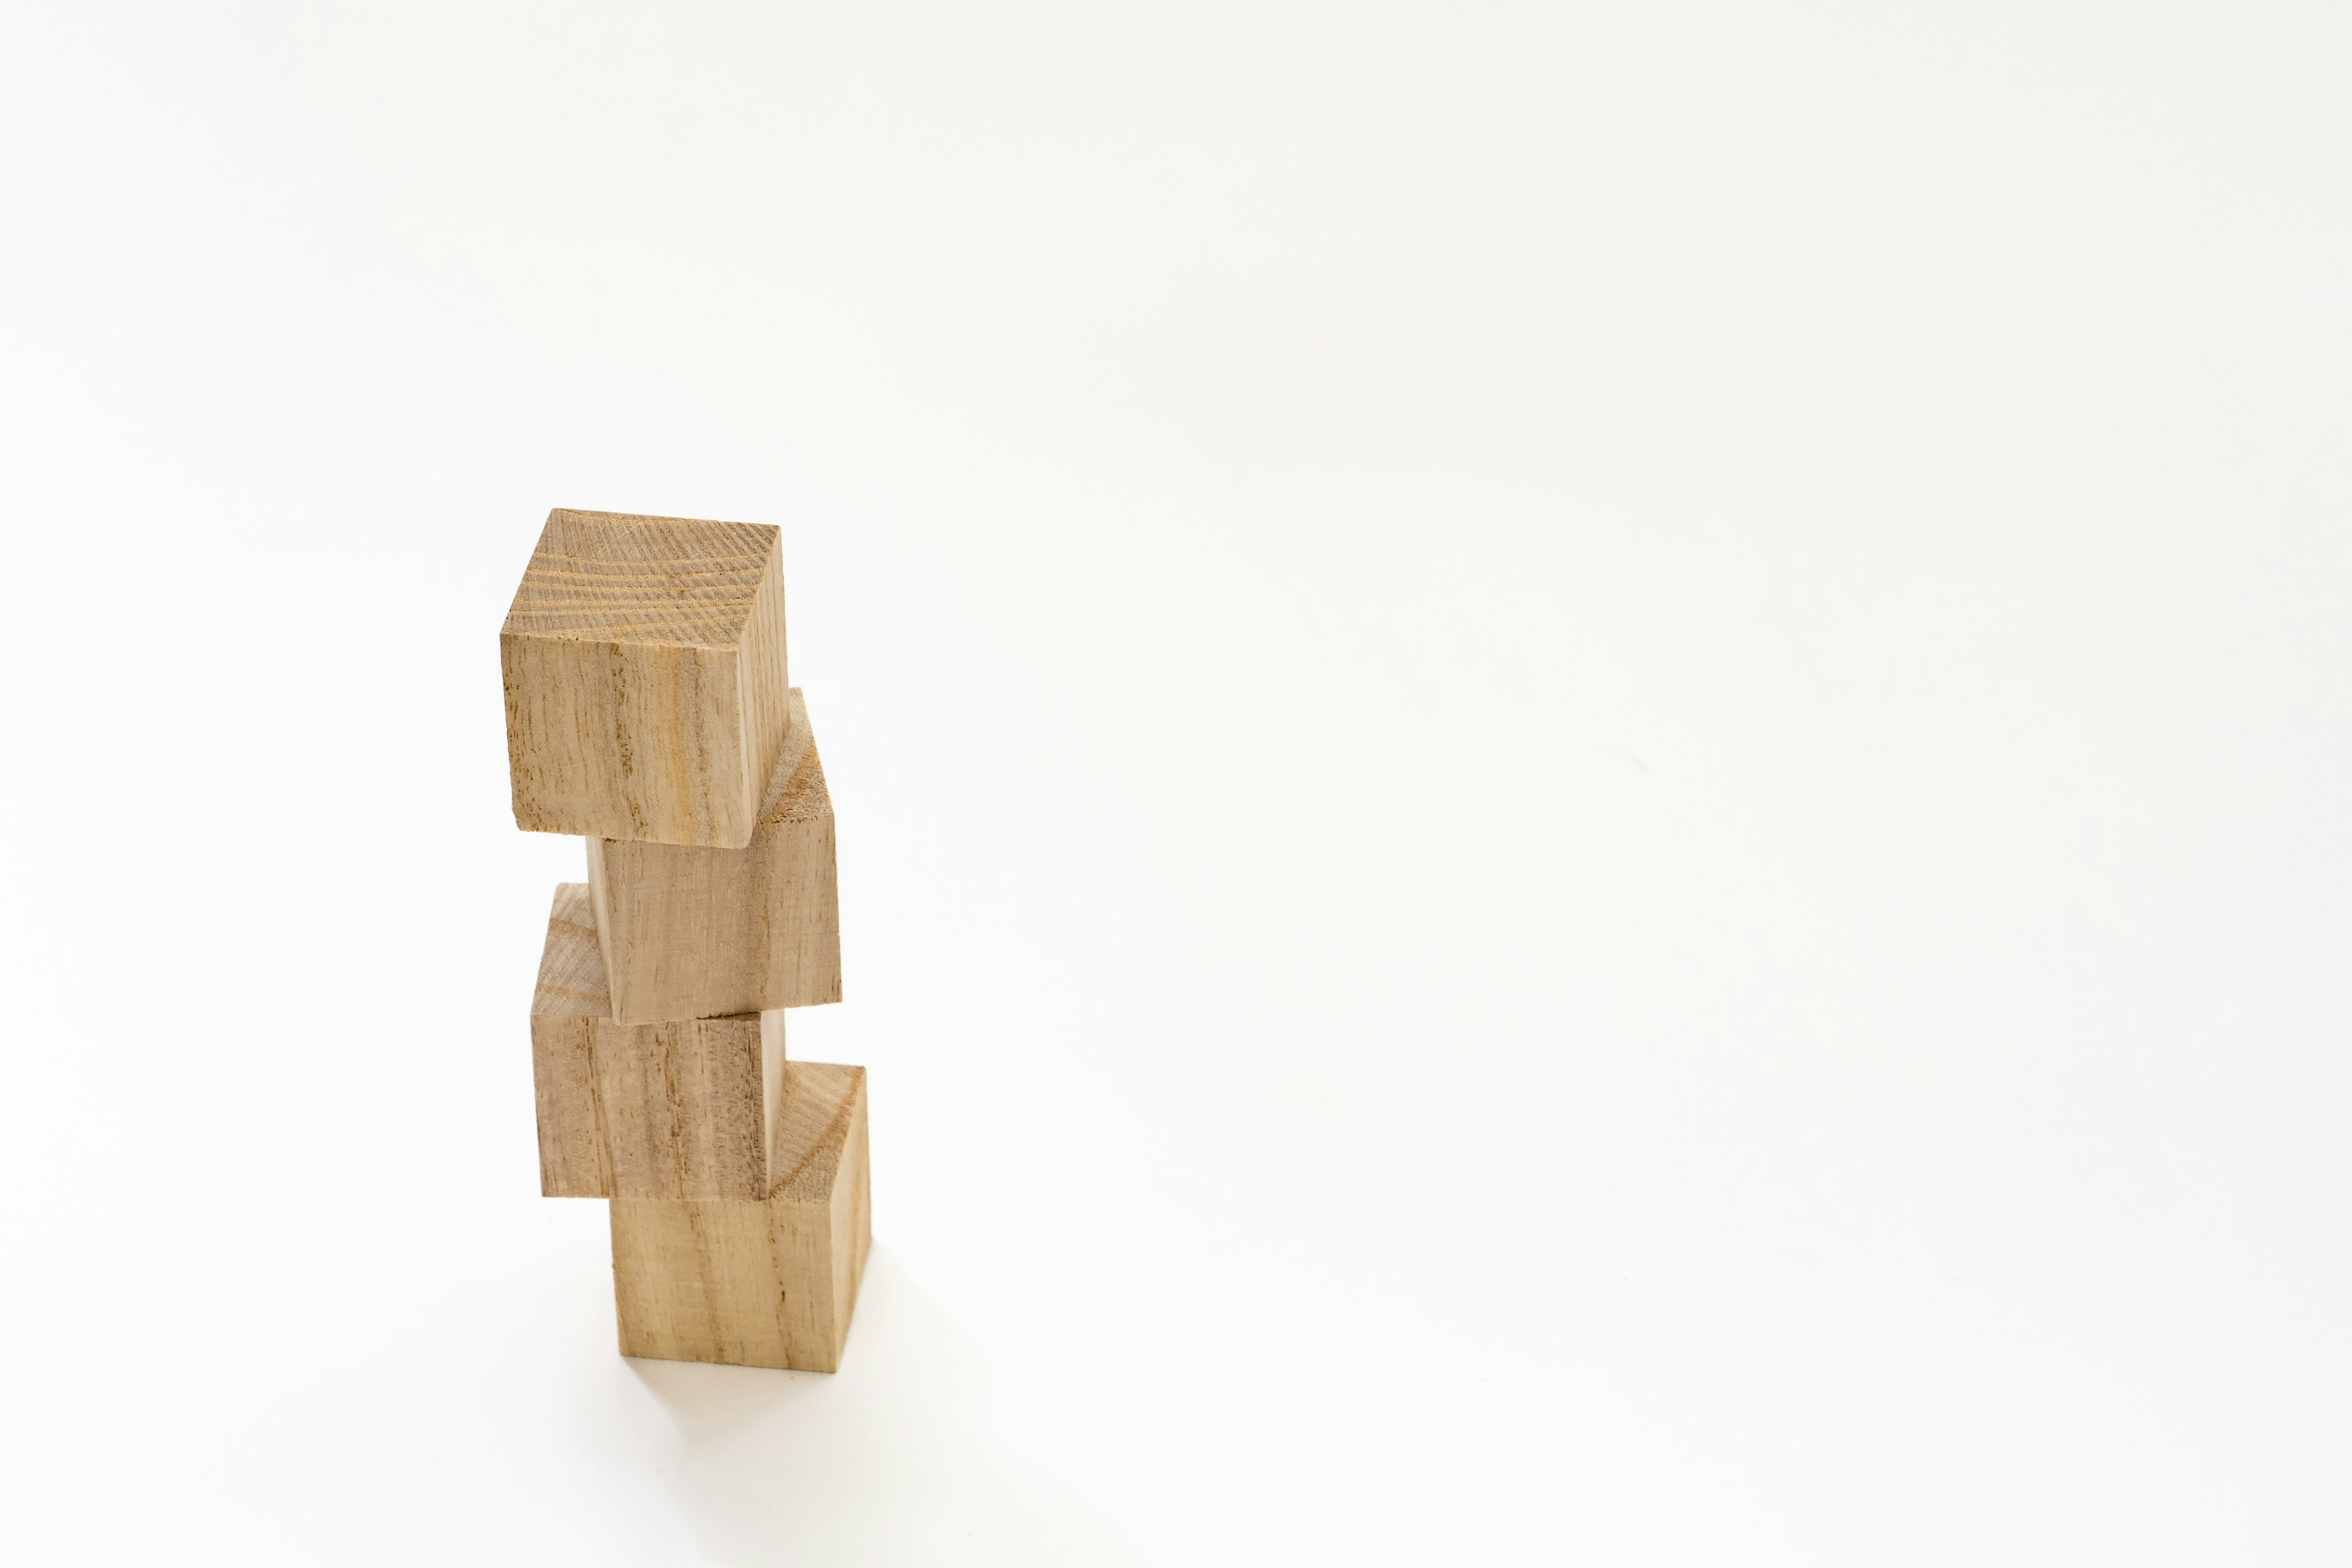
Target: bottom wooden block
(757, 1283)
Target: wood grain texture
(696, 933)
(758, 1284)
(687, 1108)
(645, 680)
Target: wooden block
(687, 1108)
(645, 677)
(764, 1284)
(692, 933)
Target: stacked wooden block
(649, 711)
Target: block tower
(649, 711)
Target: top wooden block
(646, 693)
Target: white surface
(1591, 769)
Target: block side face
(684, 1107)
(599, 909)
(771, 1073)
(763, 684)
(799, 894)
(626, 741)
(697, 1281)
(682, 930)
(690, 724)
(799, 900)
(863, 1211)
(732, 1056)
(642, 1123)
(851, 1222)
(805, 1247)
(623, 577)
(571, 1162)
(517, 670)
(563, 728)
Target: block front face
(679, 1109)
(645, 682)
(758, 1284)
(694, 932)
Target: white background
(1592, 765)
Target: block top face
(615, 577)
(796, 791)
(571, 965)
(811, 1135)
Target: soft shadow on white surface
(887, 1460)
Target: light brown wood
(645, 677)
(694, 932)
(758, 1284)
(687, 1108)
